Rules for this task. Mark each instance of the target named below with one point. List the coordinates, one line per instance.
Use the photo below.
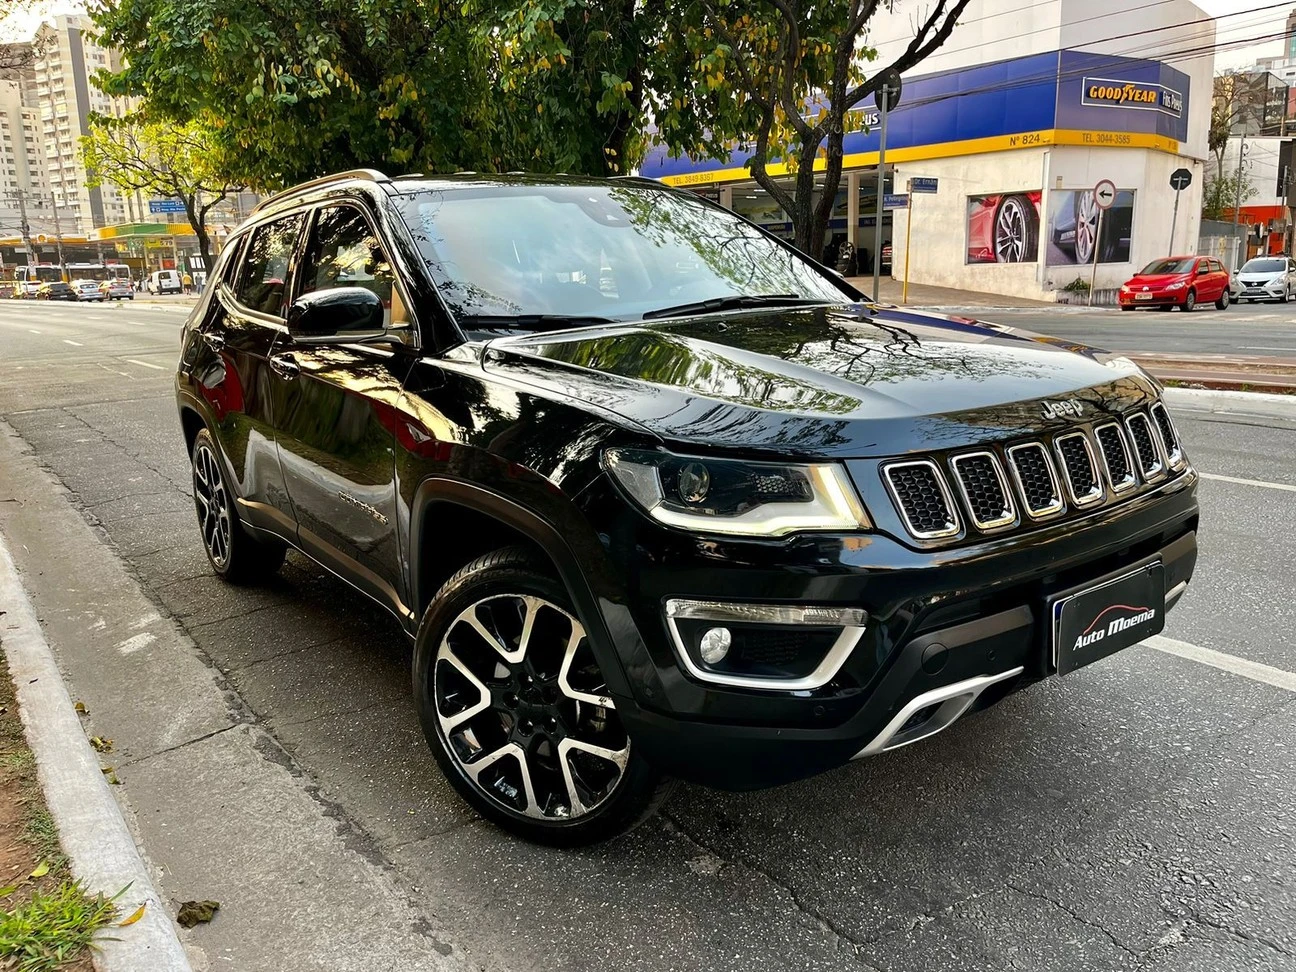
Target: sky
(1237, 21)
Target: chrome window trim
(1003, 522)
(1089, 499)
(957, 526)
(1132, 479)
(1174, 459)
(1158, 471)
(824, 672)
(1059, 501)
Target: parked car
(87, 290)
(118, 288)
(1183, 282)
(56, 290)
(736, 527)
(1004, 228)
(164, 282)
(1266, 278)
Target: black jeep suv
(654, 495)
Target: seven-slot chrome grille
(1077, 468)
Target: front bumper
(1253, 291)
(1164, 298)
(937, 619)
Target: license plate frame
(1142, 296)
(1098, 619)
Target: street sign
(889, 79)
(895, 200)
(922, 184)
(166, 206)
(1105, 194)
(1180, 179)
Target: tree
(785, 78)
(1221, 192)
(293, 90)
(160, 158)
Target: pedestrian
(188, 282)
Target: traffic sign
(922, 184)
(1105, 194)
(1180, 179)
(895, 200)
(166, 206)
(890, 79)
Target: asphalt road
(1139, 814)
(1266, 330)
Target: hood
(1155, 280)
(1262, 276)
(852, 381)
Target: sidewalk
(924, 297)
(218, 809)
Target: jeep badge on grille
(1070, 406)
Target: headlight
(1175, 286)
(750, 499)
(1276, 282)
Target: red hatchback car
(1182, 282)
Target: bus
(27, 279)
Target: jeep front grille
(1036, 480)
(1078, 468)
(1173, 454)
(984, 489)
(1116, 457)
(1149, 456)
(923, 499)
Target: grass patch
(39, 831)
(52, 927)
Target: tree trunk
(197, 222)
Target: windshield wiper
(735, 302)
(528, 322)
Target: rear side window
(263, 277)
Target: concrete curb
(91, 828)
(1231, 401)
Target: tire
(234, 554)
(1015, 237)
(1127, 307)
(497, 720)
(1223, 302)
(1190, 301)
(1085, 211)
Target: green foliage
(295, 90)
(1221, 193)
(51, 928)
(1077, 286)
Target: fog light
(715, 645)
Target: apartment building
(64, 97)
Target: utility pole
(881, 189)
(20, 196)
(58, 238)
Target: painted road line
(1247, 482)
(76, 344)
(32, 330)
(1249, 347)
(144, 364)
(1224, 662)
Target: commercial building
(1017, 118)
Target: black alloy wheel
(516, 710)
(233, 553)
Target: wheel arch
(481, 520)
(192, 422)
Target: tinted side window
(230, 267)
(263, 279)
(345, 252)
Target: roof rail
(369, 175)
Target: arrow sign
(1105, 194)
(1180, 179)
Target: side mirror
(338, 315)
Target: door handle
(285, 366)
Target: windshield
(1170, 266)
(527, 256)
(1264, 266)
